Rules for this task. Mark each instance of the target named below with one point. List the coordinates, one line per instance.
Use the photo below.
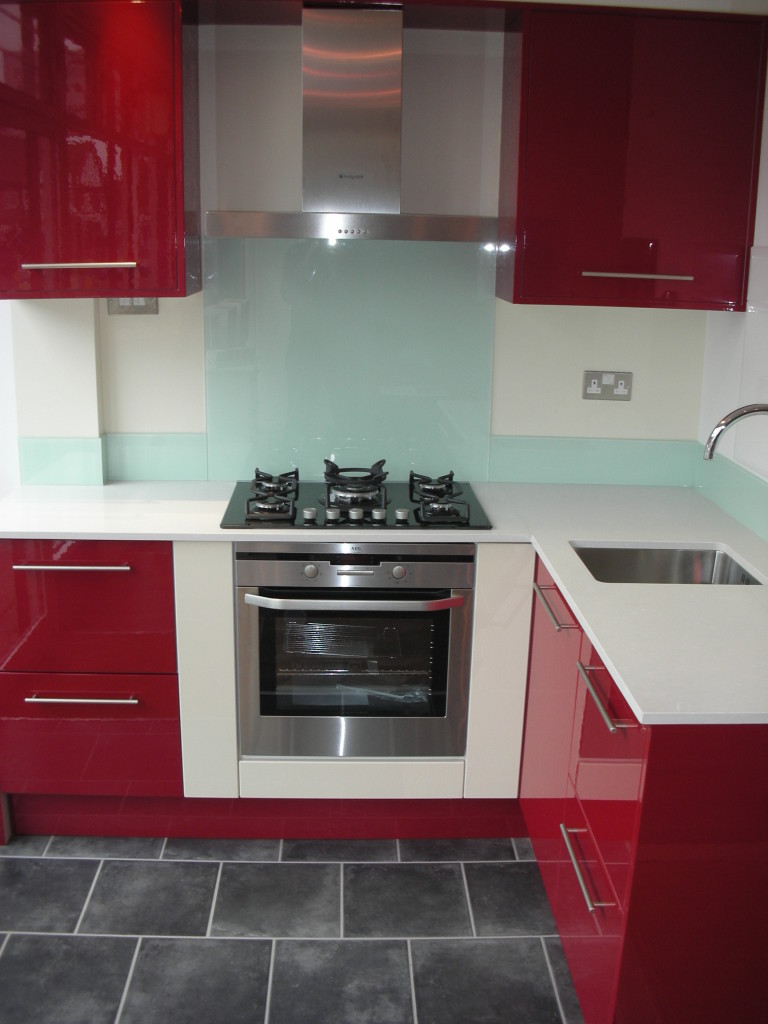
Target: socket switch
(131, 306)
(607, 385)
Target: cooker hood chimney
(352, 75)
(352, 71)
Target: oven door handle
(290, 604)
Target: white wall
(9, 456)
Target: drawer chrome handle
(592, 905)
(637, 277)
(80, 700)
(289, 604)
(116, 265)
(539, 591)
(610, 724)
(71, 568)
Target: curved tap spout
(727, 420)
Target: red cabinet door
(90, 131)
(86, 606)
(555, 640)
(91, 734)
(639, 153)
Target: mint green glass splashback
(356, 351)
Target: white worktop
(680, 654)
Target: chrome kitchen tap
(726, 421)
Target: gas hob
(354, 496)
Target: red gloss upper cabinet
(639, 156)
(91, 98)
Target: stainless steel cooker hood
(351, 141)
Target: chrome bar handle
(80, 700)
(539, 591)
(637, 277)
(71, 568)
(592, 905)
(116, 265)
(610, 724)
(290, 604)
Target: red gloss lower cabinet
(555, 641)
(90, 735)
(659, 885)
(89, 701)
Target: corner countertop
(680, 654)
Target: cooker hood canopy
(351, 141)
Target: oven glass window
(367, 664)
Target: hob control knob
(379, 515)
(399, 572)
(332, 515)
(311, 571)
(401, 515)
(309, 514)
(355, 515)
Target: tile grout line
(76, 929)
(213, 901)
(268, 1000)
(469, 901)
(413, 981)
(341, 900)
(128, 980)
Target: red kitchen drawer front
(86, 606)
(607, 767)
(589, 919)
(106, 735)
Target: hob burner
(425, 488)
(351, 486)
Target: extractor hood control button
(401, 514)
(311, 571)
(356, 515)
(399, 572)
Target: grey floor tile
(340, 849)
(199, 981)
(483, 981)
(63, 979)
(25, 846)
(151, 898)
(404, 900)
(279, 900)
(568, 999)
(222, 849)
(524, 849)
(509, 899)
(105, 846)
(342, 982)
(41, 895)
(456, 849)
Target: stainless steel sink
(632, 564)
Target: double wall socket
(607, 385)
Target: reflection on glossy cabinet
(554, 651)
(92, 185)
(659, 883)
(639, 154)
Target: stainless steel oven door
(353, 672)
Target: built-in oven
(353, 649)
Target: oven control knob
(399, 572)
(311, 571)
